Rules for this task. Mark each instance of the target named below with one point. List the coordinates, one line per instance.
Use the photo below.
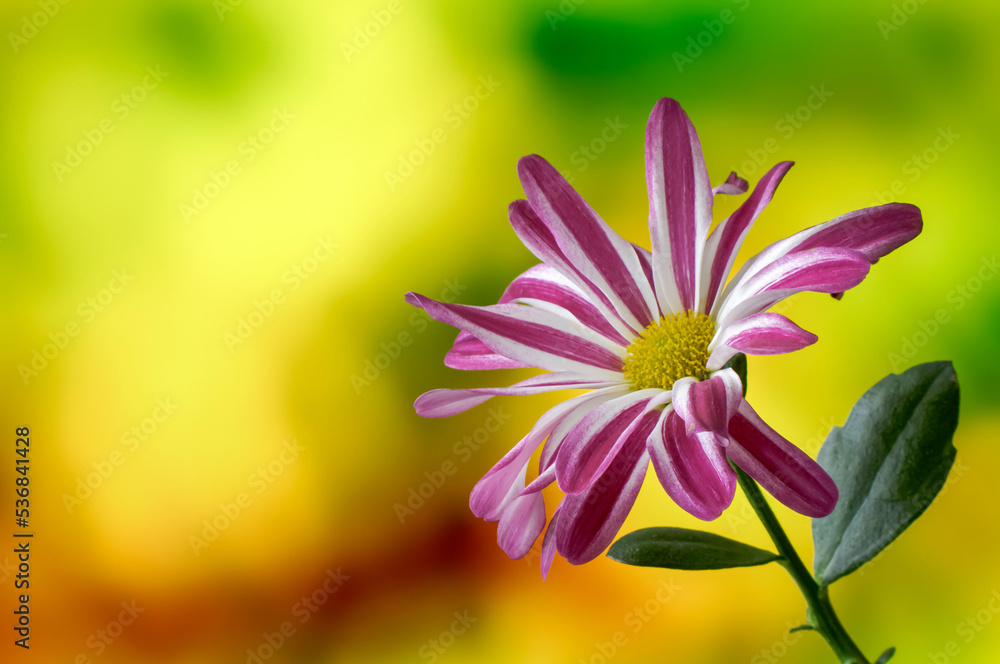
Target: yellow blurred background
(211, 212)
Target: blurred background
(211, 212)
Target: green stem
(822, 617)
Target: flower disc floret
(669, 349)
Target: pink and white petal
(820, 270)
(554, 442)
(590, 520)
(592, 444)
(645, 257)
(536, 236)
(546, 287)
(470, 354)
(733, 186)
(759, 334)
(600, 254)
(874, 231)
(520, 524)
(706, 406)
(446, 402)
(500, 484)
(547, 477)
(530, 335)
(549, 543)
(785, 471)
(727, 238)
(692, 468)
(680, 204)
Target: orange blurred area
(210, 212)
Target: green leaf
(738, 363)
(889, 461)
(680, 548)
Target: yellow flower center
(671, 348)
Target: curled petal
(725, 241)
(733, 186)
(785, 471)
(706, 406)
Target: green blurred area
(214, 152)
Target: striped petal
(501, 483)
(470, 354)
(527, 334)
(785, 471)
(549, 543)
(520, 525)
(546, 287)
(536, 236)
(759, 334)
(446, 402)
(733, 186)
(874, 232)
(727, 238)
(590, 520)
(819, 270)
(692, 469)
(596, 251)
(680, 204)
(706, 406)
(594, 442)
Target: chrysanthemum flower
(648, 333)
